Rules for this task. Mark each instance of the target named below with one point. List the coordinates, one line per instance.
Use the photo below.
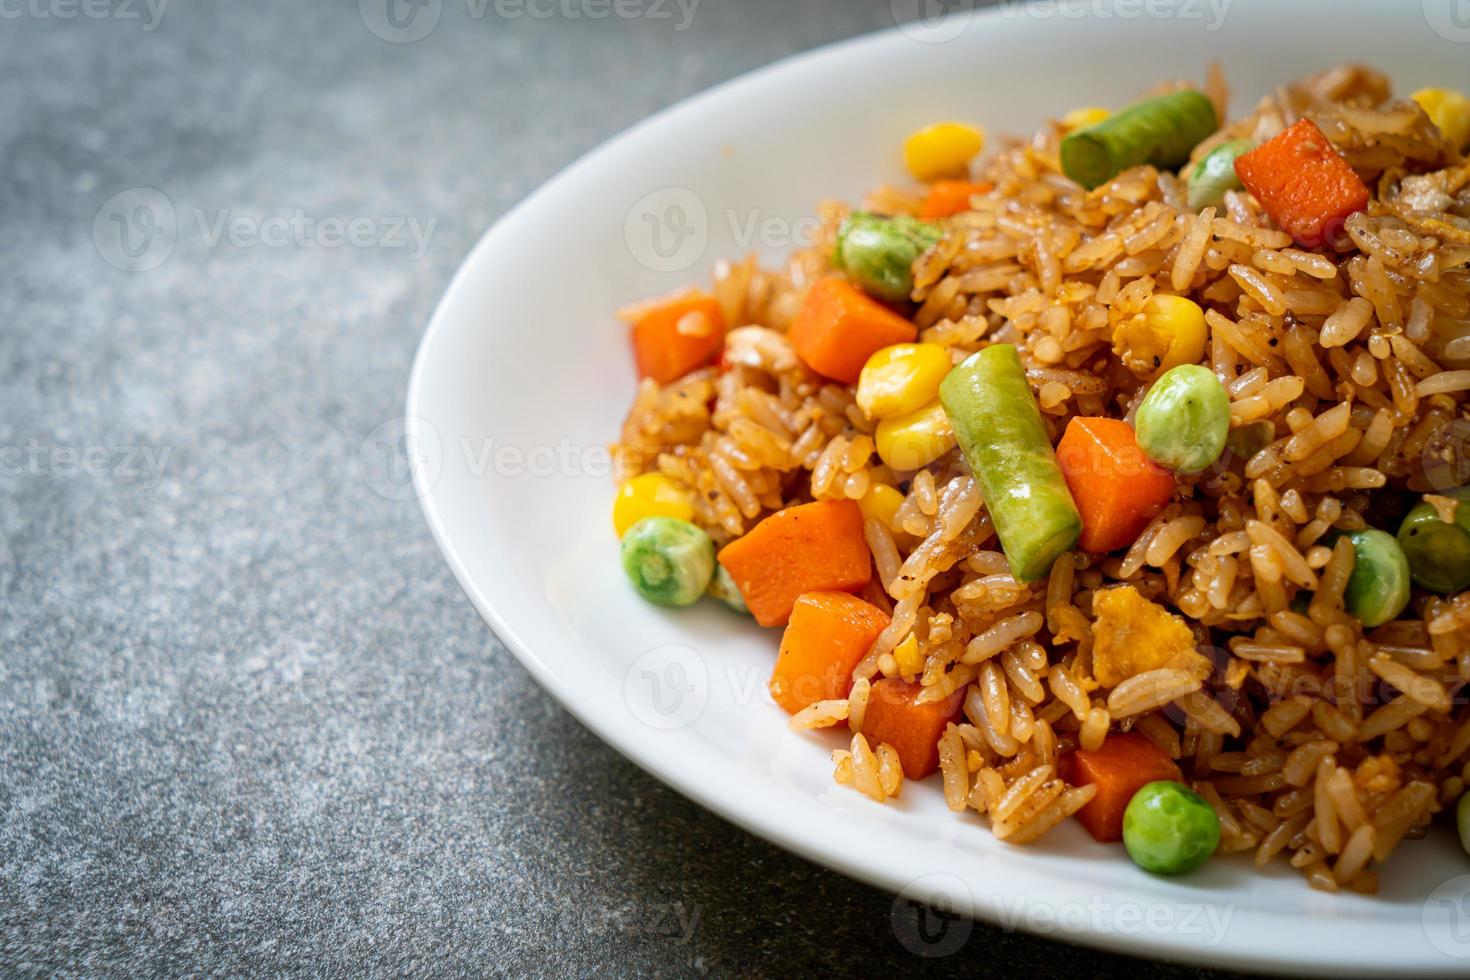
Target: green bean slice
(1160, 131)
(1000, 432)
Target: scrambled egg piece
(1133, 635)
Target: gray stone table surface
(248, 722)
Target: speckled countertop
(248, 723)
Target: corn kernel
(880, 504)
(942, 150)
(902, 378)
(907, 655)
(913, 441)
(1169, 332)
(1084, 117)
(1449, 110)
(649, 495)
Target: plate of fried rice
(1038, 456)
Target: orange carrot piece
(807, 548)
(894, 715)
(839, 327)
(828, 634)
(1304, 184)
(1118, 489)
(677, 336)
(1123, 765)
(947, 197)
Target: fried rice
(1317, 741)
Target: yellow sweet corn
(649, 495)
(1169, 332)
(899, 379)
(1447, 109)
(880, 503)
(944, 149)
(913, 441)
(1084, 117)
(907, 656)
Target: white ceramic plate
(524, 376)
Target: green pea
(1462, 819)
(1161, 131)
(879, 253)
(1169, 829)
(723, 588)
(1215, 174)
(1379, 587)
(1185, 419)
(669, 562)
(1439, 553)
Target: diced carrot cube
(947, 197)
(677, 336)
(840, 327)
(1117, 489)
(1120, 767)
(895, 715)
(808, 548)
(829, 633)
(1304, 184)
